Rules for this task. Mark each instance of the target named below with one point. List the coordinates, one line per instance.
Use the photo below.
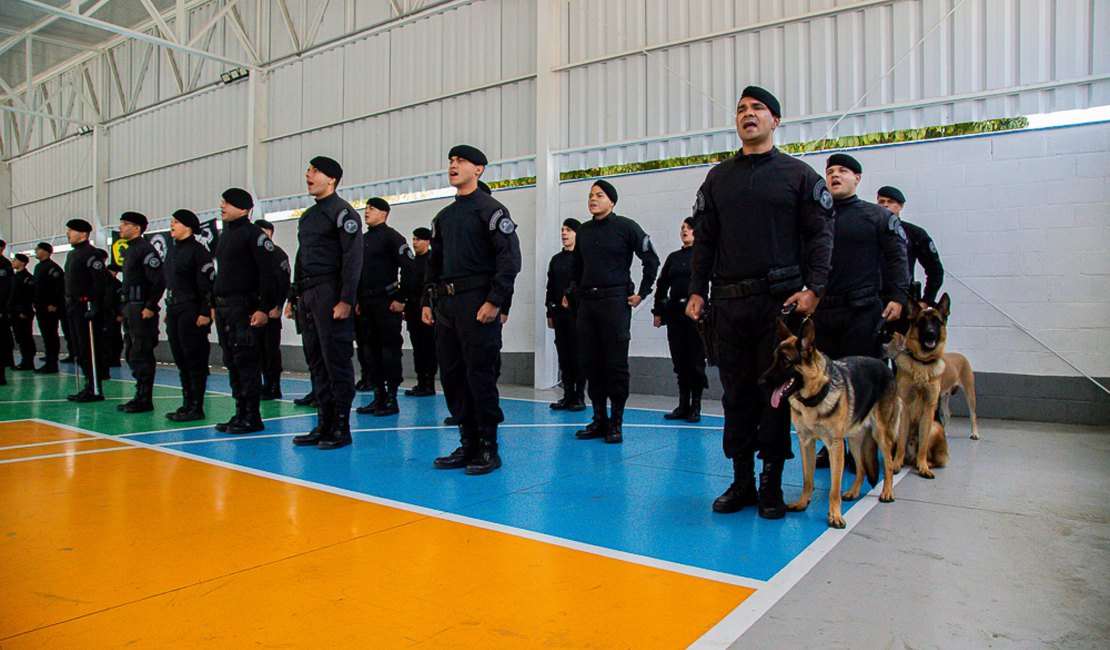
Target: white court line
(106, 399)
(729, 629)
(633, 558)
(67, 454)
(201, 426)
(44, 444)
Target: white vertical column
(6, 202)
(548, 33)
(101, 159)
(257, 127)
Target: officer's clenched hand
(657, 321)
(259, 318)
(806, 299)
(893, 311)
(147, 314)
(426, 316)
(565, 303)
(275, 312)
(694, 305)
(550, 323)
(396, 307)
(289, 311)
(487, 312)
(51, 308)
(203, 321)
(634, 300)
(341, 311)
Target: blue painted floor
(649, 496)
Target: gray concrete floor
(1009, 547)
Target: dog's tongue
(776, 396)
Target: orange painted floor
(143, 548)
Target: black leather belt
(594, 293)
(243, 300)
(462, 285)
(310, 283)
(741, 289)
(384, 291)
(180, 297)
(852, 299)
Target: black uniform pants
(6, 342)
(746, 340)
(845, 331)
(469, 355)
(362, 350)
(271, 352)
(604, 330)
(88, 342)
(381, 330)
(48, 328)
(328, 347)
(566, 346)
(68, 334)
(188, 344)
(22, 329)
(114, 325)
(144, 338)
(423, 339)
(687, 351)
(242, 348)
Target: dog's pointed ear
(783, 331)
(913, 308)
(944, 305)
(808, 334)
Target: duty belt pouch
(135, 293)
(785, 280)
(707, 330)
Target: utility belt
(778, 282)
(313, 282)
(597, 293)
(180, 297)
(376, 293)
(858, 298)
(77, 300)
(240, 300)
(455, 287)
(133, 293)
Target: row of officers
(767, 235)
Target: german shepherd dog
(920, 368)
(852, 398)
(957, 376)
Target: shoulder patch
(152, 260)
(932, 247)
(647, 243)
(494, 218)
(208, 267)
(699, 203)
(895, 226)
(506, 226)
(268, 245)
(821, 194)
(261, 240)
(350, 227)
(285, 265)
(406, 251)
(339, 219)
(55, 273)
(95, 264)
(3, 273)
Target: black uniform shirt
(7, 282)
(143, 278)
(603, 253)
(385, 252)
(558, 281)
(328, 244)
(190, 273)
(475, 235)
(246, 263)
(112, 296)
(758, 213)
(284, 274)
(50, 285)
(920, 248)
(674, 281)
(85, 274)
(869, 251)
(23, 293)
(419, 270)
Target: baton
(92, 355)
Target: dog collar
(810, 402)
(922, 361)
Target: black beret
(3, 243)
(329, 166)
(265, 225)
(422, 233)
(239, 198)
(608, 188)
(485, 188)
(80, 225)
(188, 219)
(769, 100)
(136, 218)
(22, 258)
(892, 193)
(572, 223)
(379, 203)
(690, 221)
(46, 246)
(467, 152)
(844, 160)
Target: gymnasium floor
(134, 530)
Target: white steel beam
(545, 372)
(49, 116)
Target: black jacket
(674, 282)
(246, 264)
(558, 281)
(50, 285)
(190, 274)
(869, 252)
(603, 253)
(329, 244)
(385, 252)
(920, 248)
(144, 280)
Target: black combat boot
(324, 422)
(379, 397)
(388, 405)
(461, 457)
(742, 492)
(771, 505)
(271, 388)
(487, 459)
(142, 402)
(186, 399)
(683, 409)
(240, 412)
(425, 387)
(694, 414)
(307, 400)
(340, 433)
(598, 428)
(577, 397)
(251, 421)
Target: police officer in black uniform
(563, 321)
(85, 278)
(245, 290)
(422, 337)
(326, 274)
(470, 276)
(22, 312)
(7, 284)
(271, 355)
(113, 318)
(763, 236)
(50, 305)
(143, 285)
(919, 247)
(687, 350)
(381, 302)
(601, 285)
(190, 275)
